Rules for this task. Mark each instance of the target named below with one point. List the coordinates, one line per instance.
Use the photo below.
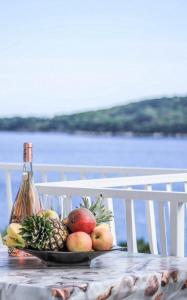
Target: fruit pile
(85, 229)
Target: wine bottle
(27, 202)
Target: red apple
(102, 238)
(79, 242)
(81, 219)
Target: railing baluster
(44, 176)
(67, 205)
(151, 228)
(45, 199)
(130, 225)
(61, 198)
(108, 202)
(61, 209)
(162, 226)
(9, 191)
(168, 189)
(83, 177)
(177, 228)
(63, 176)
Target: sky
(59, 57)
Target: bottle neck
(27, 168)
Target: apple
(48, 213)
(81, 219)
(101, 238)
(79, 242)
(104, 225)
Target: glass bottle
(27, 202)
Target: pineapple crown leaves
(36, 230)
(100, 212)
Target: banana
(10, 242)
(13, 231)
(13, 237)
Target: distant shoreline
(100, 134)
(156, 117)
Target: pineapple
(100, 212)
(44, 233)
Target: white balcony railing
(113, 189)
(124, 187)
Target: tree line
(163, 115)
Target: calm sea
(93, 150)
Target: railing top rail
(114, 193)
(120, 181)
(94, 169)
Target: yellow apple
(103, 225)
(102, 238)
(79, 242)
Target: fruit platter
(75, 239)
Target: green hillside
(164, 115)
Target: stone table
(116, 275)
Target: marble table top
(116, 275)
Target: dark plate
(69, 258)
